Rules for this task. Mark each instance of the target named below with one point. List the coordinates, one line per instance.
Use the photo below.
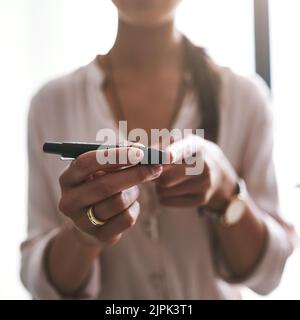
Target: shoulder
(59, 93)
(236, 86)
(53, 91)
(247, 96)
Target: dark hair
(206, 85)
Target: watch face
(235, 211)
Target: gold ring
(93, 219)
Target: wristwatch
(236, 208)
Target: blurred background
(42, 39)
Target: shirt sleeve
(44, 219)
(259, 175)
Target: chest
(148, 100)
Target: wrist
(229, 188)
(85, 241)
(234, 211)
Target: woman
(180, 246)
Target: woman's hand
(242, 244)
(111, 190)
(213, 185)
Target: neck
(145, 46)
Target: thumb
(181, 150)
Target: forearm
(242, 244)
(68, 261)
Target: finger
(118, 224)
(100, 160)
(183, 201)
(96, 190)
(114, 205)
(108, 208)
(181, 150)
(178, 173)
(174, 175)
(191, 186)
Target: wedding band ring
(96, 222)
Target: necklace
(117, 102)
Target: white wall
(40, 40)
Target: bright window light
(41, 40)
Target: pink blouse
(168, 253)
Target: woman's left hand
(205, 179)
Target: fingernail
(135, 155)
(129, 195)
(155, 170)
(134, 210)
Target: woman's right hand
(110, 189)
